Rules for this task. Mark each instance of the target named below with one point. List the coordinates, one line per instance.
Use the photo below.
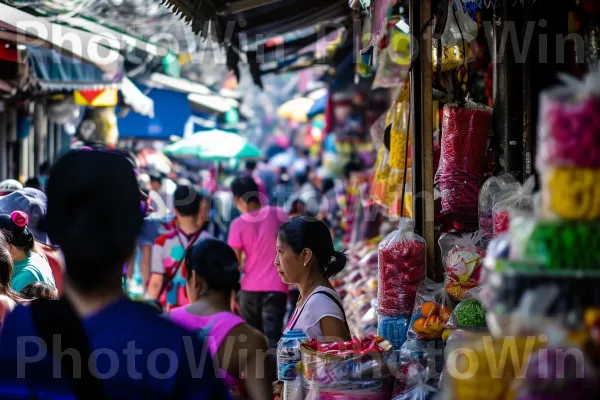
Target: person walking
(306, 257)
(213, 280)
(167, 266)
(125, 350)
(253, 236)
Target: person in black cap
(135, 352)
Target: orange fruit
(429, 308)
(419, 325)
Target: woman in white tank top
(305, 256)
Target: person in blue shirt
(95, 343)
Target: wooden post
(422, 112)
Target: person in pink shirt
(253, 237)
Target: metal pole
(422, 105)
(3, 144)
(39, 135)
(50, 142)
(11, 131)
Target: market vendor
(306, 257)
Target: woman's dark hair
(16, 231)
(39, 290)
(327, 185)
(309, 233)
(6, 269)
(216, 262)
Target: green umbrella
(213, 145)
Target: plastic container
(288, 355)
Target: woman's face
(290, 265)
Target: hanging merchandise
(394, 62)
(378, 22)
(381, 173)
(495, 185)
(452, 50)
(505, 201)
(463, 258)
(465, 136)
(572, 193)
(400, 156)
(402, 267)
(432, 311)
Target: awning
(55, 71)
(181, 85)
(212, 103)
(138, 101)
(24, 28)
(171, 114)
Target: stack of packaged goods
(357, 286)
(540, 277)
(402, 267)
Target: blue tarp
(171, 113)
(56, 71)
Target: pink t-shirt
(255, 234)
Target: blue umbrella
(318, 107)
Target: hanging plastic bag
(421, 391)
(431, 312)
(381, 173)
(402, 267)
(463, 163)
(400, 155)
(519, 199)
(389, 74)
(463, 257)
(453, 48)
(495, 185)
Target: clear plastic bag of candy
(569, 132)
(463, 161)
(402, 267)
(493, 186)
(468, 315)
(521, 199)
(462, 255)
(432, 311)
(421, 391)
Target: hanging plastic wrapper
(380, 177)
(463, 162)
(402, 267)
(495, 185)
(572, 193)
(453, 48)
(569, 132)
(347, 370)
(519, 200)
(463, 259)
(400, 157)
(431, 312)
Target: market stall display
(492, 188)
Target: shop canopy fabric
(214, 145)
(171, 113)
(138, 101)
(55, 71)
